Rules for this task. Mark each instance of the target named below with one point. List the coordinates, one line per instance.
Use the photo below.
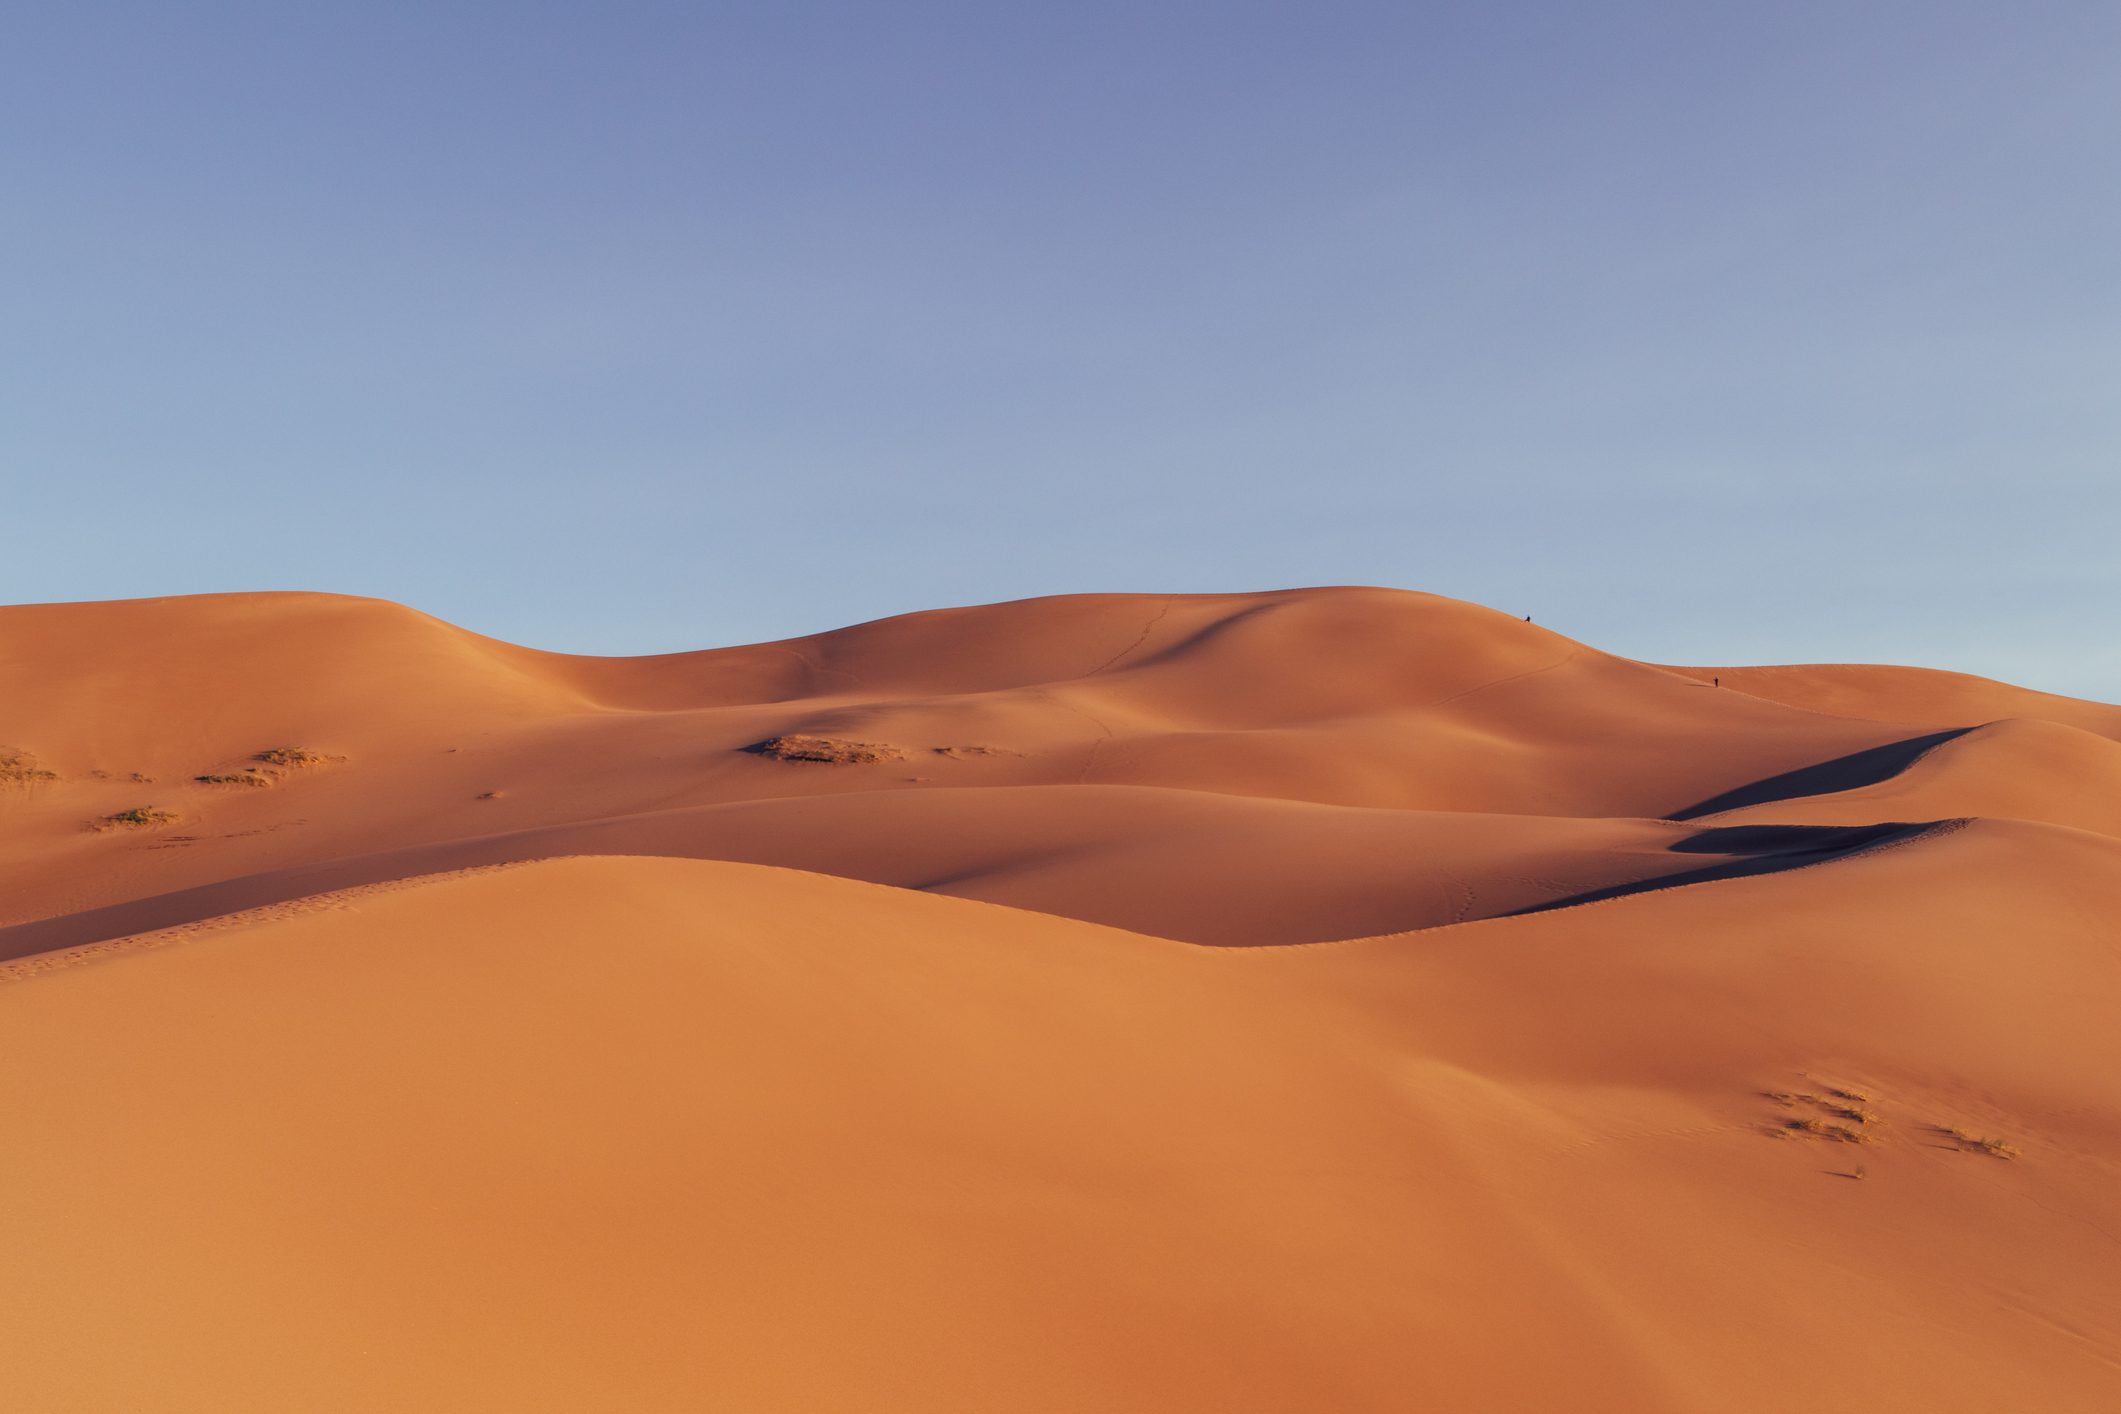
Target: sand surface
(1324, 1000)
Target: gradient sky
(1702, 332)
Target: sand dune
(1384, 701)
(1572, 1034)
(1178, 864)
(2012, 769)
(1874, 692)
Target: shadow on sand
(1759, 849)
(1861, 768)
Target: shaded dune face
(1337, 999)
(1839, 776)
(1229, 769)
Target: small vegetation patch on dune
(277, 762)
(1982, 1144)
(139, 817)
(1838, 1103)
(830, 750)
(248, 777)
(295, 758)
(19, 768)
(1820, 1129)
(1854, 1114)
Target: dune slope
(1331, 999)
(434, 748)
(631, 1133)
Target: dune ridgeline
(1330, 1000)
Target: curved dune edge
(649, 1133)
(1331, 999)
(1887, 693)
(36, 964)
(31, 950)
(1429, 724)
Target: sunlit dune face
(1336, 999)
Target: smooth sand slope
(1654, 1074)
(1287, 755)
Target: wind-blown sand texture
(1327, 1000)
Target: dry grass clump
(1854, 1114)
(278, 761)
(959, 752)
(249, 776)
(1820, 1129)
(1845, 1105)
(1982, 1144)
(19, 768)
(1850, 1105)
(294, 758)
(140, 817)
(829, 750)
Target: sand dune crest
(1330, 999)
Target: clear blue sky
(1703, 332)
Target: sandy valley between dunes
(1337, 1000)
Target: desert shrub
(1982, 1144)
(137, 818)
(294, 757)
(827, 749)
(19, 768)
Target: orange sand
(1342, 1041)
